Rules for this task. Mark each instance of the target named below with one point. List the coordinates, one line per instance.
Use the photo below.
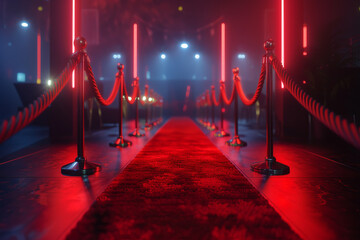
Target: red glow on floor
(72, 39)
(135, 39)
(222, 52)
(38, 78)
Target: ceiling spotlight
(241, 56)
(24, 24)
(116, 56)
(184, 45)
(163, 56)
(197, 56)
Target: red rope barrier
(207, 98)
(134, 94)
(213, 96)
(348, 131)
(95, 88)
(237, 81)
(25, 117)
(227, 101)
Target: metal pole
(80, 166)
(136, 132)
(80, 111)
(222, 132)
(236, 141)
(120, 141)
(236, 127)
(270, 166)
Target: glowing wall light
(73, 39)
(305, 39)
(282, 36)
(20, 77)
(135, 52)
(222, 52)
(38, 78)
(163, 56)
(197, 56)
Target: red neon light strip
(135, 74)
(282, 37)
(222, 52)
(305, 36)
(38, 79)
(72, 40)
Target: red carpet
(180, 186)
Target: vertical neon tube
(222, 52)
(305, 39)
(282, 36)
(72, 39)
(135, 44)
(304, 36)
(38, 78)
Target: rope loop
(348, 131)
(30, 113)
(94, 87)
(240, 91)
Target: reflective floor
(319, 198)
(38, 202)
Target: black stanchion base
(270, 167)
(120, 142)
(236, 142)
(136, 133)
(213, 127)
(80, 168)
(221, 133)
(149, 126)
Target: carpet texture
(180, 186)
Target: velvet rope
(240, 90)
(95, 88)
(226, 100)
(134, 94)
(30, 113)
(207, 98)
(348, 131)
(213, 96)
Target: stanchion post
(270, 166)
(222, 132)
(80, 166)
(120, 141)
(236, 141)
(136, 132)
(212, 126)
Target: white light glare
(150, 99)
(116, 56)
(184, 45)
(24, 24)
(49, 82)
(163, 56)
(130, 98)
(144, 98)
(197, 56)
(241, 56)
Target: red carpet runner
(180, 186)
